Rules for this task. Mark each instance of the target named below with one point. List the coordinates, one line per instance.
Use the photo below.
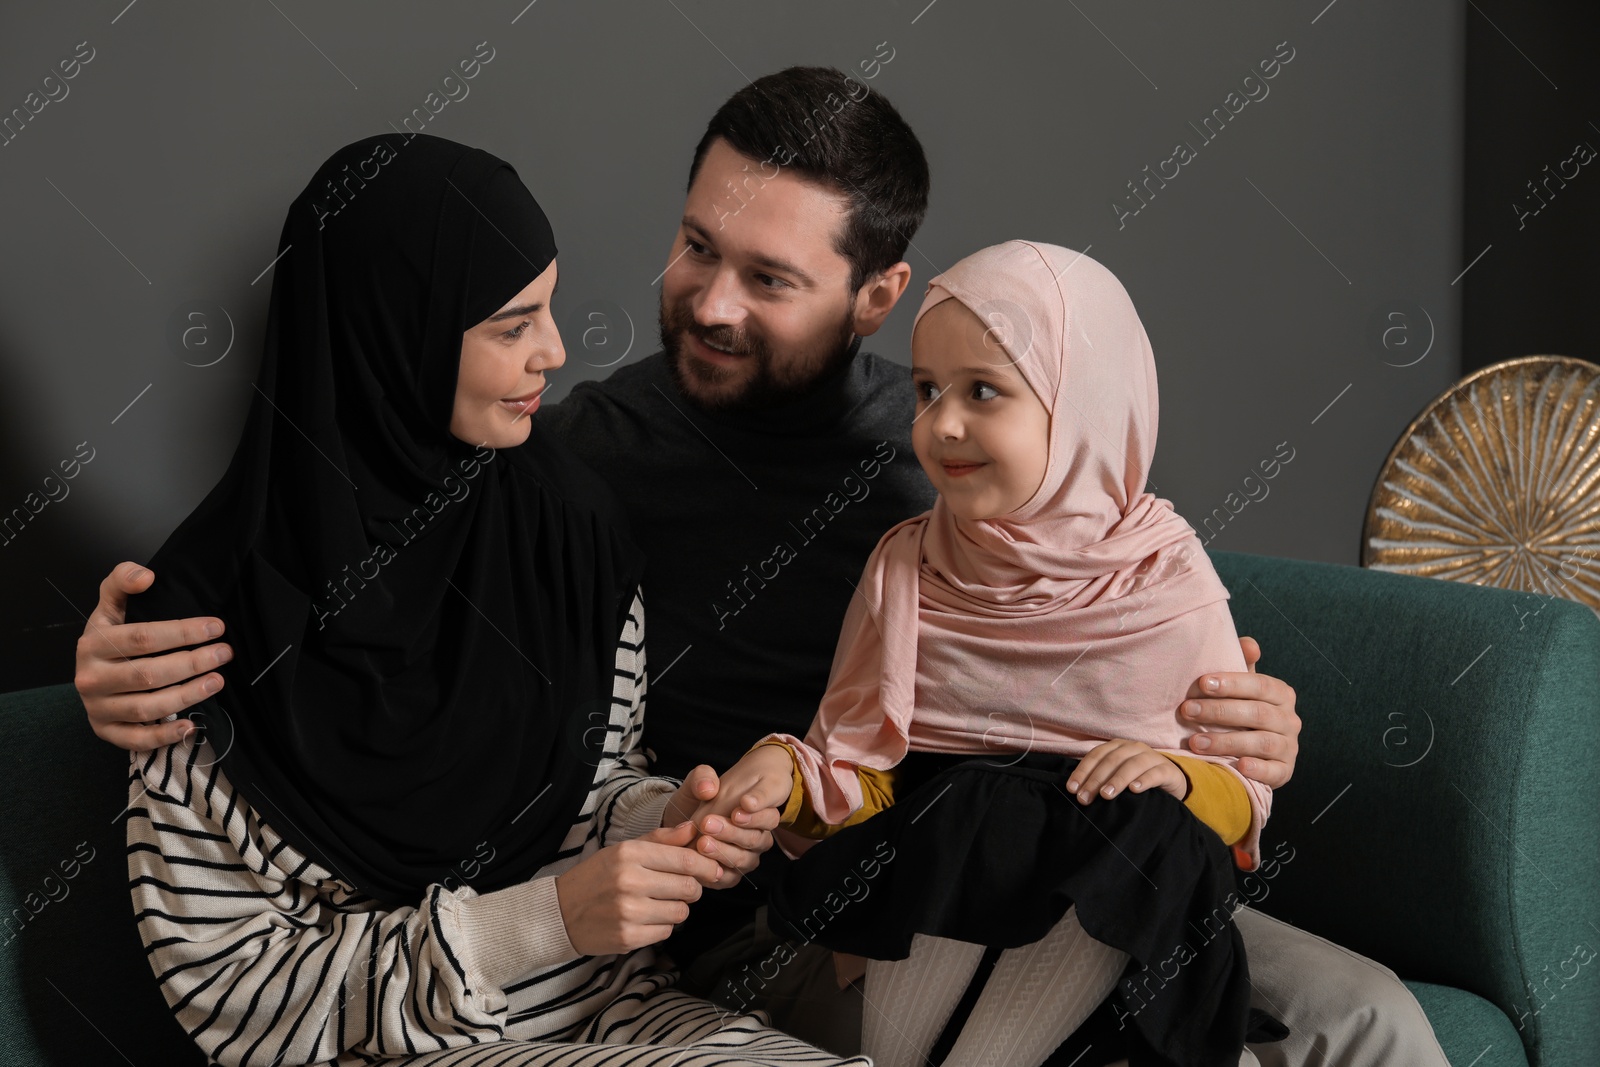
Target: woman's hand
(632, 894)
(737, 847)
(1258, 718)
(700, 786)
(1131, 765)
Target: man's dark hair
(836, 130)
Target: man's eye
(777, 283)
(695, 246)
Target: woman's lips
(957, 470)
(523, 405)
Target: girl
(417, 825)
(1048, 609)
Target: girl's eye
(514, 334)
(979, 387)
(927, 392)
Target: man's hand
(737, 848)
(632, 894)
(1258, 712)
(127, 689)
(1121, 764)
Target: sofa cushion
(1469, 1028)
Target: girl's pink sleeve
(851, 728)
(1247, 853)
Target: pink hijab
(1082, 616)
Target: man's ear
(878, 297)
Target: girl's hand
(759, 783)
(1132, 765)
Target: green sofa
(1442, 820)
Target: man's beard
(767, 384)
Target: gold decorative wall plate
(1497, 482)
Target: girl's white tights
(1035, 998)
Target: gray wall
(1264, 271)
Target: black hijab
(424, 632)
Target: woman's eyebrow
(523, 309)
(516, 312)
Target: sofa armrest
(75, 984)
(1442, 818)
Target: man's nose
(721, 302)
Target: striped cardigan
(267, 958)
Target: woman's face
(981, 432)
(503, 363)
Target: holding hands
(633, 893)
(728, 827)
(753, 791)
(748, 800)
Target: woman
(418, 819)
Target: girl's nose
(947, 422)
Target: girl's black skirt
(993, 851)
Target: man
(760, 456)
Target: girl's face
(981, 433)
(503, 361)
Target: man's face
(755, 302)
